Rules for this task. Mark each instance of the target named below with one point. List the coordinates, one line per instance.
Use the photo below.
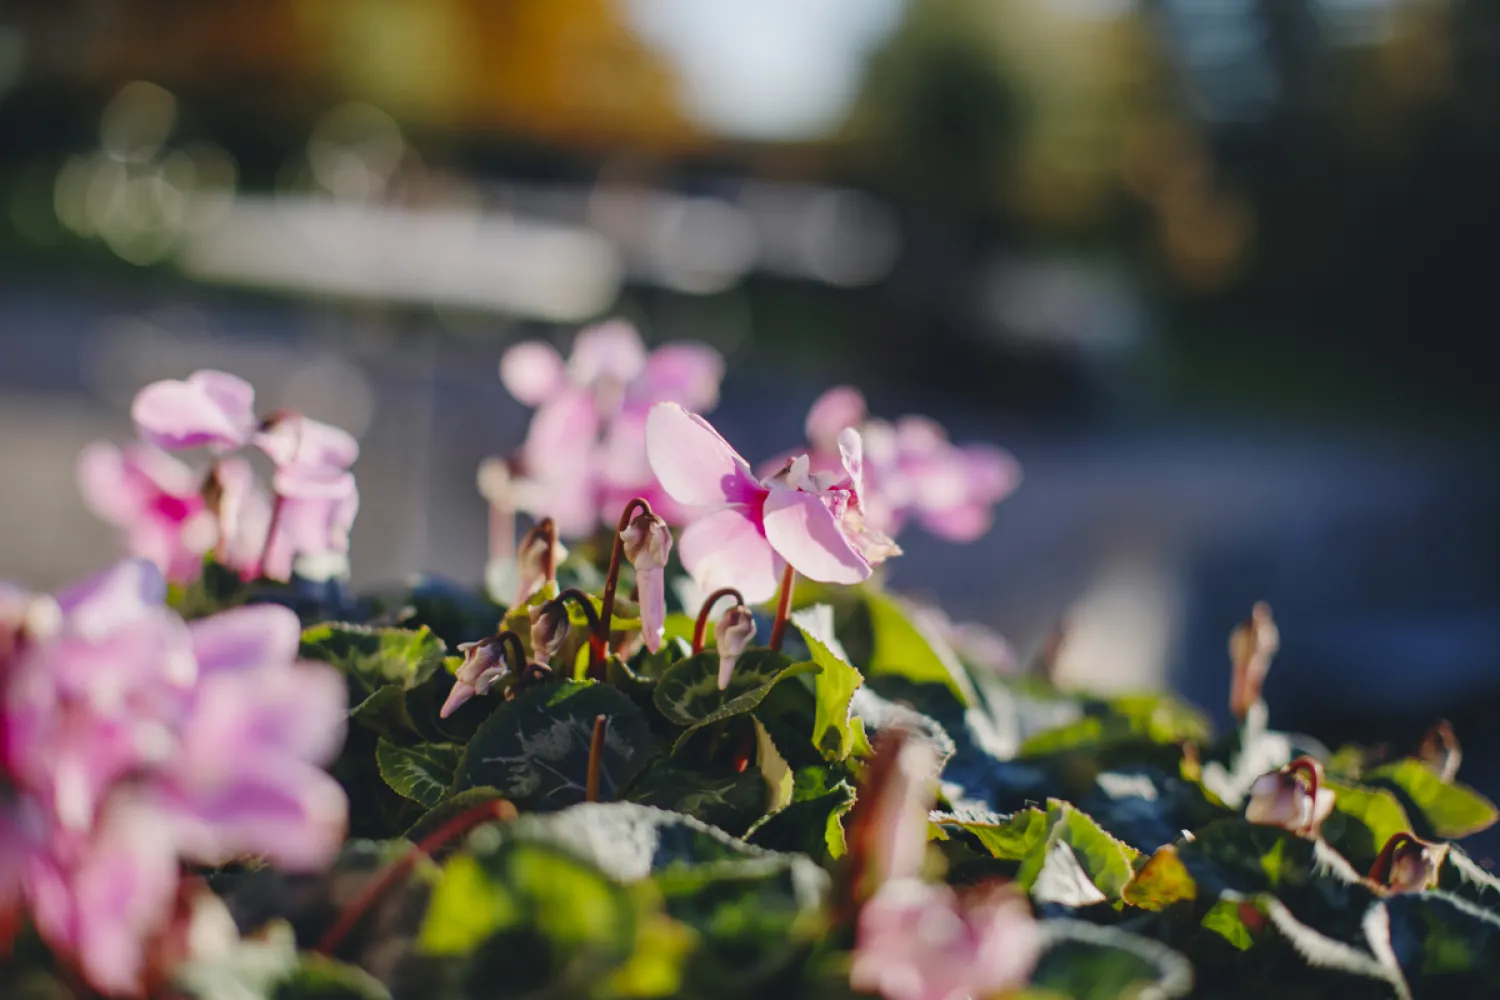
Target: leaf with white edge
(421, 773)
(1108, 863)
(1447, 945)
(1462, 876)
(535, 748)
(900, 646)
(688, 693)
(834, 687)
(1062, 880)
(877, 713)
(386, 713)
(1363, 819)
(1375, 960)
(1448, 811)
(370, 658)
(1084, 961)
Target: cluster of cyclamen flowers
(134, 742)
(601, 435)
(173, 515)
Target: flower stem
(612, 578)
(597, 635)
(1380, 871)
(783, 607)
(700, 627)
(456, 827)
(596, 759)
(512, 644)
(1312, 771)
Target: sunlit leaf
(1108, 863)
(688, 693)
(1363, 819)
(901, 647)
(373, 657)
(1448, 811)
(835, 686)
(1162, 881)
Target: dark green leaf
(385, 713)
(729, 801)
(1363, 819)
(535, 749)
(421, 773)
(812, 825)
(688, 693)
(1088, 962)
(454, 806)
(318, 977)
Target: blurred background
(1220, 273)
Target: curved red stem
(596, 759)
(1380, 871)
(597, 636)
(1313, 771)
(783, 607)
(612, 578)
(700, 627)
(451, 830)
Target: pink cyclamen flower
(584, 456)
(174, 516)
(484, 665)
(751, 527)
(647, 542)
(918, 941)
(134, 742)
(912, 470)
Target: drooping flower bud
(1440, 751)
(549, 629)
(1291, 798)
(1407, 864)
(647, 543)
(484, 664)
(1252, 644)
(734, 631)
(537, 556)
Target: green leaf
(386, 713)
(1448, 811)
(1447, 945)
(318, 977)
(811, 825)
(1150, 718)
(535, 749)
(1462, 876)
(1089, 962)
(1226, 919)
(729, 801)
(834, 687)
(899, 646)
(421, 773)
(373, 657)
(1363, 819)
(1162, 881)
(1008, 838)
(773, 768)
(453, 807)
(688, 693)
(1108, 863)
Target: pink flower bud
(537, 556)
(549, 629)
(1252, 644)
(1291, 798)
(647, 543)
(484, 664)
(734, 631)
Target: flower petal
(685, 373)
(727, 549)
(532, 371)
(246, 638)
(694, 464)
(804, 532)
(993, 472)
(963, 523)
(110, 599)
(297, 441)
(210, 408)
(609, 350)
(651, 582)
(832, 412)
(563, 432)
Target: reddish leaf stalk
(512, 644)
(1313, 772)
(596, 759)
(598, 637)
(783, 607)
(1380, 871)
(700, 627)
(453, 829)
(612, 578)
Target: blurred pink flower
(133, 741)
(919, 941)
(584, 456)
(751, 528)
(173, 516)
(912, 470)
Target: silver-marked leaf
(688, 693)
(421, 773)
(729, 801)
(371, 658)
(1084, 961)
(535, 749)
(1108, 863)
